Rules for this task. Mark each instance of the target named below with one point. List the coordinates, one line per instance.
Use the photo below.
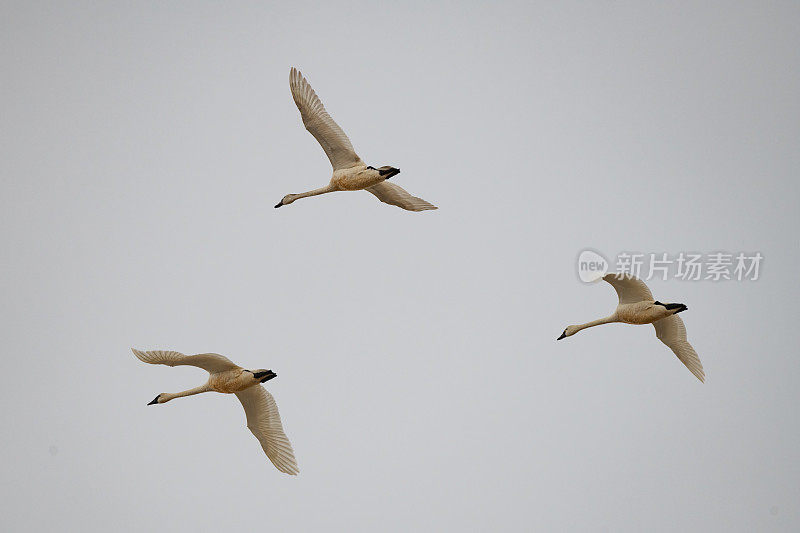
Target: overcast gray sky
(143, 146)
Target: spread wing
(389, 193)
(672, 332)
(320, 124)
(630, 289)
(211, 362)
(265, 423)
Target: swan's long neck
(316, 192)
(190, 392)
(599, 321)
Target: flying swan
(225, 376)
(636, 306)
(350, 173)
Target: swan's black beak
(155, 400)
(279, 204)
(563, 335)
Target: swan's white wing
(389, 193)
(320, 124)
(265, 423)
(630, 289)
(672, 332)
(212, 362)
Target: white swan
(225, 376)
(636, 306)
(349, 171)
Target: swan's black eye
(371, 168)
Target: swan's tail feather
(266, 375)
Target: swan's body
(637, 306)
(350, 173)
(227, 377)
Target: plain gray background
(144, 145)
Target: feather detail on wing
(389, 193)
(210, 362)
(265, 423)
(672, 332)
(320, 124)
(630, 289)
